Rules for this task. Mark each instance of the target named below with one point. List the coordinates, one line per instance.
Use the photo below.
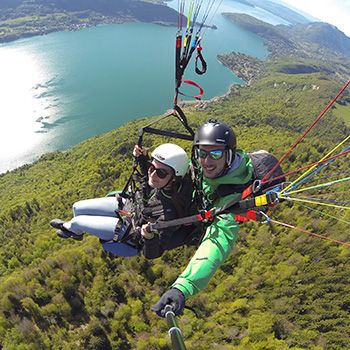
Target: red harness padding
(190, 82)
(247, 192)
(249, 215)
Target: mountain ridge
(302, 40)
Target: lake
(59, 89)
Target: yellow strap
(190, 14)
(261, 200)
(185, 41)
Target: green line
(313, 202)
(325, 214)
(320, 185)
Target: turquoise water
(59, 89)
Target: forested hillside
(279, 289)
(23, 18)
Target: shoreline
(28, 20)
(198, 105)
(76, 27)
(72, 27)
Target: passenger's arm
(142, 157)
(156, 243)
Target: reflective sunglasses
(215, 154)
(161, 173)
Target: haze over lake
(59, 89)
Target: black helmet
(215, 133)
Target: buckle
(256, 186)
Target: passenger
(165, 194)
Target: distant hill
(22, 18)
(279, 10)
(323, 34)
(312, 40)
(153, 11)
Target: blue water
(59, 89)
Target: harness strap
(202, 216)
(242, 208)
(180, 115)
(224, 190)
(182, 60)
(167, 133)
(134, 177)
(200, 57)
(183, 119)
(178, 71)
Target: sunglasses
(215, 154)
(161, 173)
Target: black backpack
(263, 162)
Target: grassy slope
(343, 112)
(279, 289)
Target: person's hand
(138, 151)
(173, 297)
(146, 233)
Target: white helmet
(173, 156)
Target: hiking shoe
(62, 232)
(69, 234)
(57, 223)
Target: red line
(306, 132)
(306, 167)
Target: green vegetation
(343, 111)
(279, 289)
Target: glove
(172, 297)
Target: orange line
(311, 233)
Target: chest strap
(242, 208)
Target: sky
(336, 12)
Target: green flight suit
(220, 236)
